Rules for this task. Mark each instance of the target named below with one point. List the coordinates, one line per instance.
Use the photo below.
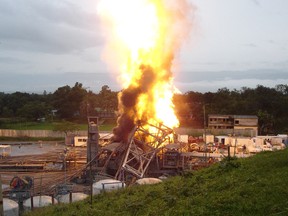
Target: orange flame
(143, 38)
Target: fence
(35, 133)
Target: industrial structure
(144, 152)
(234, 122)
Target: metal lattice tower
(143, 144)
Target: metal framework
(143, 144)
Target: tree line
(66, 103)
(77, 102)
(269, 104)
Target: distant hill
(252, 186)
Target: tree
(16, 100)
(88, 104)
(107, 100)
(66, 127)
(282, 88)
(265, 122)
(67, 100)
(33, 110)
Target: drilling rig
(135, 158)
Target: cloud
(49, 27)
(41, 40)
(213, 86)
(253, 45)
(37, 83)
(259, 74)
(211, 80)
(11, 60)
(256, 2)
(186, 81)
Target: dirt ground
(37, 154)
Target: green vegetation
(75, 103)
(32, 139)
(106, 127)
(66, 103)
(269, 104)
(29, 126)
(251, 186)
(38, 126)
(49, 126)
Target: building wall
(235, 122)
(220, 121)
(246, 122)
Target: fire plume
(143, 38)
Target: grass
(106, 127)
(32, 139)
(47, 126)
(250, 186)
(43, 126)
(29, 126)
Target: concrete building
(235, 122)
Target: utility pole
(87, 102)
(205, 143)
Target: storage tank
(144, 181)
(75, 197)
(107, 185)
(38, 201)
(10, 207)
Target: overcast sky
(46, 44)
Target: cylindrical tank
(148, 181)
(10, 207)
(75, 197)
(107, 185)
(38, 201)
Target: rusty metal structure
(143, 144)
(135, 157)
(93, 138)
(150, 150)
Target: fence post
(32, 202)
(1, 198)
(70, 197)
